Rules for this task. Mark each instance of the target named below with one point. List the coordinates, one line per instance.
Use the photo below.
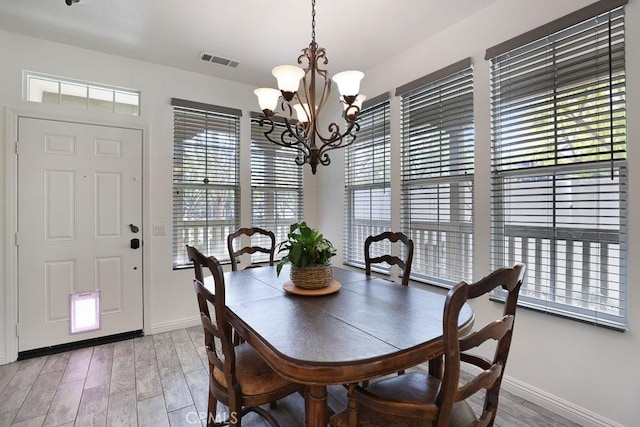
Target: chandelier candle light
(304, 133)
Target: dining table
(366, 328)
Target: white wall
(588, 373)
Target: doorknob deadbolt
(134, 228)
(135, 243)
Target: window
(206, 188)
(47, 89)
(559, 190)
(367, 180)
(276, 187)
(437, 173)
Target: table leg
(317, 410)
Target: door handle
(135, 243)
(134, 228)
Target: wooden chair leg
(212, 408)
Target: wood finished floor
(155, 381)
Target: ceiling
(258, 34)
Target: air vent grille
(207, 57)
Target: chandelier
(304, 131)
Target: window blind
(367, 182)
(437, 139)
(206, 202)
(560, 178)
(276, 188)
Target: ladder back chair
(234, 255)
(200, 261)
(420, 399)
(238, 377)
(392, 237)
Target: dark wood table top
(370, 327)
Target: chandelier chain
(313, 21)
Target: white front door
(79, 202)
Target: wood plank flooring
(157, 381)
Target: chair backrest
(218, 333)
(393, 237)
(233, 254)
(456, 348)
(199, 261)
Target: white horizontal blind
(437, 177)
(206, 186)
(367, 182)
(559, 191)
(276, 188)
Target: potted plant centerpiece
(309, 254)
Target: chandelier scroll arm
(335, 138)
(341, 141)
(281, 141)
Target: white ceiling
(259, 34)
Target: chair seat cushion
(254, 375)
(410, 387)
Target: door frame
(11, 213)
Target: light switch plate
(159, 230)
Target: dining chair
(391, 237)
(421, 399)
(238, 377)
(200, 261)
(265, 234)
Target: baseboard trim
(553, 403)
(188, 322)
(557, 405)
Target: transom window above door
(46, 89)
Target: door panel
(60, 202)
(79, 188)
(109, 281)
(107, 202)
(59, 281)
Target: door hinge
(17, 240)
(17, 329)
(17, 145)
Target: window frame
(208, 231)
(284, 182)
(87, 101)
(373, 142)
(575, 174)
(443, 251)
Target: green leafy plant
(305, 247)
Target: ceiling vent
(207, 57)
